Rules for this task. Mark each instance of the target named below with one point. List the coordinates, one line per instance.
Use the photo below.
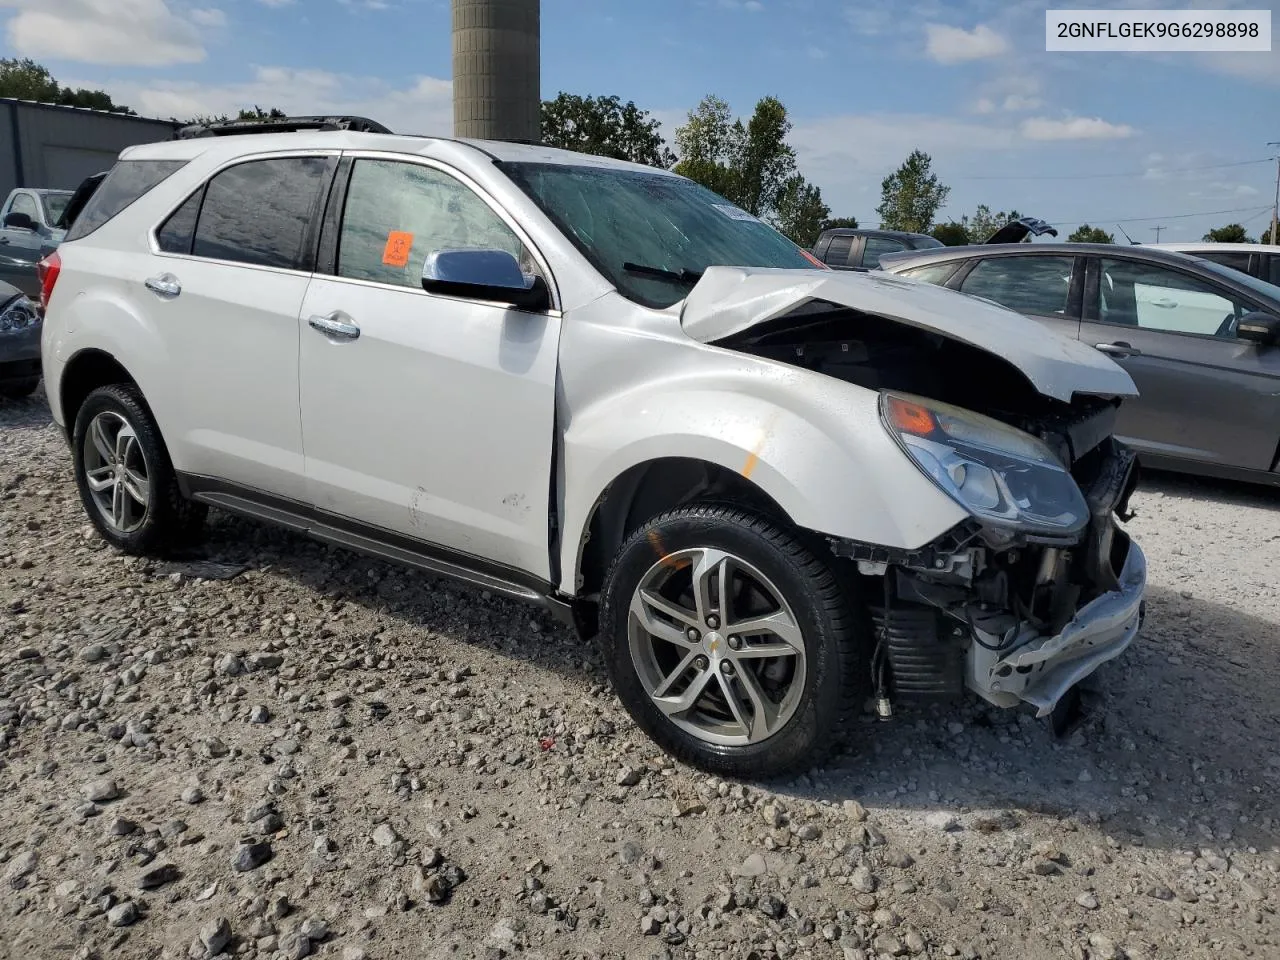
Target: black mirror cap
(1259, 327)
(536, 297)
(19, 221)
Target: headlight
(1001, 475)
(18, 314)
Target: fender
(103, 320)
(812, 443)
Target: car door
(426, 418)
(20, 248)
(1205, 395)
(225, 291)
(1045, 286)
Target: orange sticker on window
(396, 252)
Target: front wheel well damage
(85, 372)
(643, 492)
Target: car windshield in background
(54, 204)
(651, 235)
(1260, 287)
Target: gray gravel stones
(250, 856)
(531, 817)
(101, 791)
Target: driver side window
(23, 203)
(1157, 298)
(397, 213)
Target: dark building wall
(496, 69)
(42, 145)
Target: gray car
(30, 226)
(20, 328)
(1201, 341)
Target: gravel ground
(282, 750)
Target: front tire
(125, 477)
(732, 643)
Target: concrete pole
(496, 69)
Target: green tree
(836, 222)
(1087, 234)
(984, 223)
(254, 113)
(799, 211)
(752, 165)
(952, 234)
(911, 195)
(27, 80)
(1231, 233)
(604, 126)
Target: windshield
(1260, 287)
(650, 234)
(54, 204)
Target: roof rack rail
(228, 128)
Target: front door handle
(1119, 349)
(165, 285)
(336, 324)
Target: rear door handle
(336, 324)
(1119, 349)
(165, 285)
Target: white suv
(771, 489)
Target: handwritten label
(396, 252)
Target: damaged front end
(1017, 608)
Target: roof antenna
(1132, 242)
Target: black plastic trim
(377, 542)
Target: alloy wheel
(116, 472)
(716, 647)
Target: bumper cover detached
(1037, 669)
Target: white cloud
(212, 17)
(815, 53)
(275, 3)
(423, 105)
(132, 32)
(1074, 128)
(956, 45)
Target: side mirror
(1258, 327)
(484, 275)
(19, 221)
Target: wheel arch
(85, 372)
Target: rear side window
(179, 231)
(877, 247)
(262, 212)
(838, 252)
(1025, 284)
(127, 181)
(1236, 261)
(931, 273)
(1272, 273)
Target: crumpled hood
(729, 300)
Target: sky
(1171, 140)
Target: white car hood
(729, 300)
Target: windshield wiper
(681, 276)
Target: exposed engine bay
(975, 604)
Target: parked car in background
(1256, 259)
(853, 248)
(20, 331)
(1201, 340)
(29, 228)
(530, 370)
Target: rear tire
(18, 389)
(772, 697)
(125, 477)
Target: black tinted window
(838, 252)
(1271, 271)
(261, 212)
(127, 181)
(178, 232)
(1026, 284)
(876, 247)
(1236, 261)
